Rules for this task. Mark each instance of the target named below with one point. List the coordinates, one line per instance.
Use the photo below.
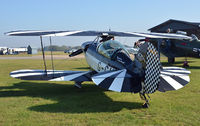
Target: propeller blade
(77, 52)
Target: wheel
(78, 85)
(171, 60)
(145, 105)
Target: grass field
(35, 103)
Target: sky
(117, 15)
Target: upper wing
(96, 33)
(50, 75)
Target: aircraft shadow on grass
(68, 98)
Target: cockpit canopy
(109, 47)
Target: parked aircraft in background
(177, 48)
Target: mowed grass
(35, 103)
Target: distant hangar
(178, 25)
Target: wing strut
(42, 47)
(52, 64)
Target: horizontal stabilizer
(50, 75)
(173, 78)
(119, 81)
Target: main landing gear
(78, 84)
(143, 97)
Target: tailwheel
(146, 103)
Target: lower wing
(118, 80)
(52, 75)
(171, 78)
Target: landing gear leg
(78, 84)
(146, 103)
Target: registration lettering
(103, 67)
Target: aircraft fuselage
(98, 62)
(179, 48)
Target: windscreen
(107, 48)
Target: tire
(145, 105)
(171, 60)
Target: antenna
(109, 29)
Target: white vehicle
(3, 50)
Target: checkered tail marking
(152, 71)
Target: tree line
(59, 48)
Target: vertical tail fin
(149, 57)
(155, 78)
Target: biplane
(112, 67)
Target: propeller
(84, 48)
(77, 52)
